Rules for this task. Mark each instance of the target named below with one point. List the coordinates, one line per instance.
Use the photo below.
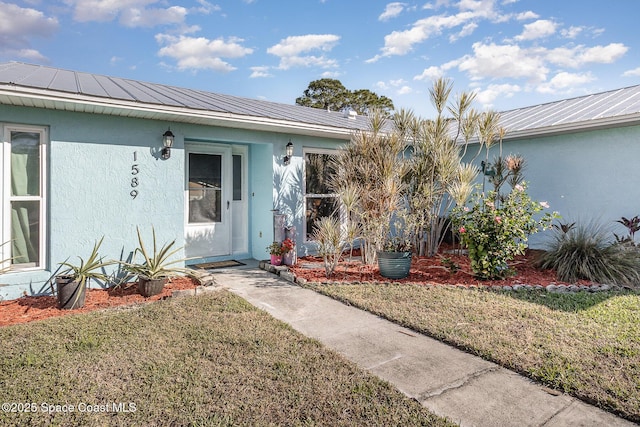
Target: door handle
(227, 205)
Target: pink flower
(466, 209)
(544, 205)
(519, 187)
(499, 220)
(462, 230)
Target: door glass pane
(25, 163)
(237, 177)
(25, 232)
(205, 188)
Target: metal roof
(620, 107)
(46, 87)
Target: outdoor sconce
(167, 143)
(289, 153)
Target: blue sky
(513, 53)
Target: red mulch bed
(30, 308)
(430, 270)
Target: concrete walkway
(464, 388)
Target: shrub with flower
(278, 249)
(287, 246)
(495, 232)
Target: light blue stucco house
(82, 157)
(581, 156)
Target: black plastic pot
(70, 294)
(150, 287)
(394, 265)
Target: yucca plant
(72, 282)
(330, 238)
(587, 252)
(158, 263)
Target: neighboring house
(581, 155)
(82, 158)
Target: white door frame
(210, 239)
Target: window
(205, 188)
(23, 197)
(319, 201)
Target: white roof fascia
(588, 125)
(173, 113)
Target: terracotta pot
(150, 287)
(276, 259)
(70, 294)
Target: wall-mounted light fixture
(167, 143)
(289, 153)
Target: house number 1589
(134, 180)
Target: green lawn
(586, 344)
(207, 361)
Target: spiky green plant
(156, 264)
(368, 175)
(330, 238)
(82, 273)
(587, 252)
(89, 269)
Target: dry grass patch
(585, 344)
(206, 360)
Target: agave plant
(81, 274)
(89, 269)
(156, 264)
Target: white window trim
(5, 195)
(305, 151)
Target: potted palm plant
(72, 283)
(156, 268)
(394, 261)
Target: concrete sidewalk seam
(558, 412)
(462, 382)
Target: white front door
(208, 200)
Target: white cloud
(632, 73)
(466, 30)
(290, 51)
(578, 56)
(500, 61)
(18, 25)
(401, 42)
(538, 29)
(431, 73)
(391, 11)
(295, 45)
(563, 81)
(135, 13)
(261, 71)
(523, 16)
(492, 92)
(196, 53)
(134, 17)
(330, 74)
(104, 10)
(404, 90)
(572, 32)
